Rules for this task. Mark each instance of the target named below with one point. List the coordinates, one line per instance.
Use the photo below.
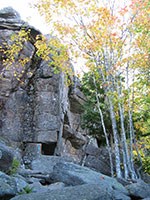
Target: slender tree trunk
(131, 129)
(123, 140)
(108, 89)
(116, 140)
(135, 144)
(104, 129)
(126, 160)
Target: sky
(27, 13)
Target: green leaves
(91, 119)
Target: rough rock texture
(21, 183)
(35, 108)
(6, 158)
(139, 190)
(14, 99)
(145, 177)
(39, 188)
(83, 192)
(72, 174)
(8, 187)
(60, 179)
(98, 159)
(49, 163)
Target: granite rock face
(88, 192)
(35, 103)
(6, 158)
(139, 190)
(8, 187)
(71, 181)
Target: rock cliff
(39, 113)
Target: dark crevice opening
(48, 148)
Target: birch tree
(100, 32)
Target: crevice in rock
(135, 198)
(45, 182)
(48, 148)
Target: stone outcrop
(98, 159)
(8, 187)
(139, 190)
(88, 192)
(6, 158)
(36, 108)
(72, 175)
(66, 180)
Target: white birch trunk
(131, 129)
(104, 129)
(126, 160)
(107, 89)
(116, 141)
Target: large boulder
(98, 159)
(139, 190)
(145, 177)
(72, 175)
(82, 192)
(77, 139)
(45, 164)
(40, 188)
(6, 158)
(8, 188)
(21, 183)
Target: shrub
(15, 166)
(26, 190)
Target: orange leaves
(114, 34)
(123, 11)
(140, 29)
(120, 36)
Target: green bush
(144, 151)
(26, 190)
(15, 166)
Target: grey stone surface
(139, 190)
(77, 139)
(39, 188)
(72, 174)
(98, 164)
(145, 177)
(6, 158)
(21, 183)
(83, 192)
(77, 99)
(10, 19)
(69, 151)
(9, 13)
(92, 150)
(8, 187)
(98, 159)
(49, 163)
